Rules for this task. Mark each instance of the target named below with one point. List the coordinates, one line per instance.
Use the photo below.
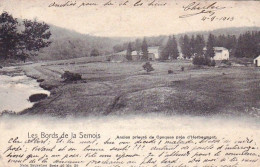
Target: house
(221, 53)
(257, 61)
(153, 54)
(180, 57)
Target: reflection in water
(15, 92)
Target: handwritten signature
(201, 9)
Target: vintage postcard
(129, 83)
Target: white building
(257, 61)
(153, 54)
(221, 53)
(154, 51)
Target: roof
(258, 57)
(121, 53)
(220, 48)
(217, 48)
(153, 50)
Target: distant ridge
(68, 44)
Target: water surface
(15, 92)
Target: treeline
(195, 45)
(246, 45)
(21, 40)
(138, 46)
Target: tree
(174, 50)
(166, 50)
(148, 67)
(94, 53)
(192, 45)
(144, 50)
(24, 43)
(203, 60)
(34, 37)
(210, 44)
(185, 46)
(199, 45)
(239, 50)
(138, 46)
(231, 42)
(8, 36)
(248, 45)
(129, 52)
(118, 48)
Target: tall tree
(144, 50)
(239, 47)
(192, 45)
(231, 42)
(248, 45)
(129, 52)
(210, 44)
(138, 46)
(174, 50)
(199, 44)
(185, 46)
(8, 35)
(34, 37)
(167, 49)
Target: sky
(138, 21)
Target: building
(221, 53)
(257, 61)
(153, 54)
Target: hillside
(68, 44)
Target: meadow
(124, 88)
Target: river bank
(15, 90)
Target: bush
(226, 62)
(170, 72)
(69, 76)
(148, 67)
(94, 53)
(213, 63)
(202, 60)
(198, 60)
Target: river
(15, 92)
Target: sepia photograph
(185, 74)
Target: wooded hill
(68, 44)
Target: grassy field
(125, 88)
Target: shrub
(213, 63)
(202, 60)
(226, 62)
(198, 60)
(69, 76)
(170, 72)
(148, 67)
